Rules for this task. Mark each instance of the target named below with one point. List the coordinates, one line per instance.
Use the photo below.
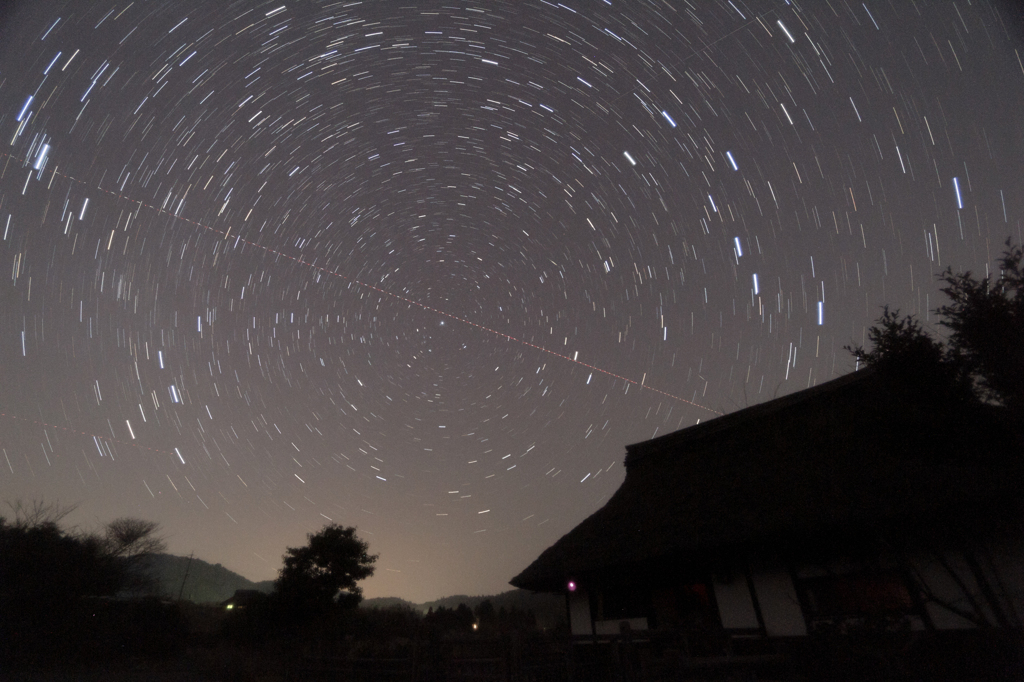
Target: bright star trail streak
(238, 237)
(325, 271)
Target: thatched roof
(862, 450)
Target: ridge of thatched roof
(856, 451)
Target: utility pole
(188, 567)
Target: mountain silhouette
(200, 582)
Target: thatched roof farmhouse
(860, 501)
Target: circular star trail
(427, 269)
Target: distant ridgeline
(548, 608)
(205, 582)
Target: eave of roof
(854, 451)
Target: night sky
(426, 268)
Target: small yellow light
(231, 606)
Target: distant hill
(205, 582)
(548, 608)
(387, 603)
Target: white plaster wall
(734, 604)
(1008, 565)
(780, 607)
(945, 587)
(579, 613)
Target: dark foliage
(486, 616)
(548, 610)
(107, 629)
(387, 623)
(459, 619)
(43, 563)
(323, 574)
(504, 620)
(131, 542)
(50, 578)
(986, 323)
(314, 598)
(982, 360)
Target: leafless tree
(133, 541)
(37, 513)
(130, 538)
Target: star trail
(426, 269)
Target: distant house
(244, 599)
(862, 503)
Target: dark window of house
(682, 606)
(857, 594)
(624, 602)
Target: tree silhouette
(486, 616)
(459, 619)
(986, 323)
(323, 574)
(48, 574)
(982, 360)
(130, 538)
(132, 541)
(41, 563)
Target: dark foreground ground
(164, 642)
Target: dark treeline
(72, 600)
(68, 595)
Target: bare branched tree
(130, 538)
(37, 513)
(132, 542)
